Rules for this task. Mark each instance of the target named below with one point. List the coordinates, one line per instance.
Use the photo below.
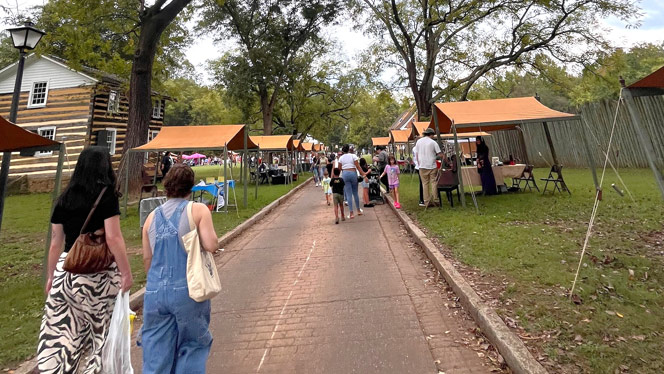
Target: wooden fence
(626, 152)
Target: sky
(353, 41)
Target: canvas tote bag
(202, 277)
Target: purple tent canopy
(194, 156)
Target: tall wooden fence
(626, 151)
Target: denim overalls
(175, 334)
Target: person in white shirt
(417, 170)
(350, 167)
(427, 151)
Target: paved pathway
(303, 295)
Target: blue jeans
(175, 336)
(350, 188)
(314, 170)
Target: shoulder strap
(190, 216)
(94, 207)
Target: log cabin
(79, 107)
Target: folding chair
(448, 181)
(558, 181)
(527, 176)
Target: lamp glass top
(26, 36)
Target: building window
(152, 134)
(48, 133)
(112, 135)
(156, 109)
(38, 95)
(113, 102)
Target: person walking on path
(350, 167)
(337, 185)
(322, 165)
(326, 187)
(392, 171)
(427, 151)
(175, 333)
(78, 307)
(314, 170)
(381, 161)
(365, 185)
(484, 168)
(417, 170)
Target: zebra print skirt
(76, 319)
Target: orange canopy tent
(401, 136)
(13, 138)
(380, 141)
(200, 138)
(298, 145)
(650, 85)
(308, 147)
(497, 114)
(274, 142)
(420, 127)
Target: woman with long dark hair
(79, 306)
(484, 168)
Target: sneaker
(343, 218)
(336, 221)
(397, 205)
(421, 204)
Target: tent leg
(458, 162)
(4, 175)
(645, 141)
(125, 188)
(54, 197)
(591, 160)
(524, 148)
(257, 178)
(156, 167)
(550, 141)
(226, 180)
(245, 177)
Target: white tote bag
(115, 356)
(202, 277)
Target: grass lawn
(22, 249)
(532, 243)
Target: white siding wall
(40, 69)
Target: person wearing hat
(427, 151)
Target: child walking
(327, 190)
(337, 185)
(392, 171)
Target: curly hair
(179, 180)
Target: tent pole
(226, 178)
(550, 141)
(458, 162)
(645, 141)
(54, 197)
(257, 177)
(245, 178)
(126, 188)
(591, 160)
(156, 167)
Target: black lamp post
(25, 38)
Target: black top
(337, 185)
(166, 164)
(73, 217)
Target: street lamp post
(25, 38)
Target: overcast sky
(352, 42)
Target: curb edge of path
(136, 299)
(509, 345)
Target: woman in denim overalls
(175, 334)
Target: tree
(153, 21)
(372, 115)
(198, 105)
(104, 35)
(444, 47)
(270, 36)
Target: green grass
(533, 241)
(22, 248)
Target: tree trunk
(154, 21)
(266, 110)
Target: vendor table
(471, 177)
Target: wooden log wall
(103, 119)
(68, 110)
(626, 152)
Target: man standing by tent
(166, 163)
(427, 151)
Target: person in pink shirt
(392, 171)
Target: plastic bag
(115, 356)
